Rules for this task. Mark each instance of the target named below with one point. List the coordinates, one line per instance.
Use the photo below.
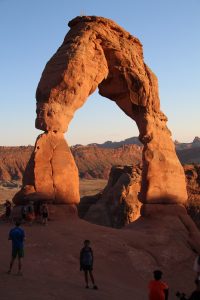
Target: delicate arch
(97, 52)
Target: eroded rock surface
(118, 203)
(192, 173)
(51, 173)
(97, 52)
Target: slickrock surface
(123, 265)
(97, 52)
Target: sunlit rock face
(97, 52)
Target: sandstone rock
(192, 173)
(108, 206)
(118, 203)
(97, 52)
(51, 172)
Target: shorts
(17, 252)
(87, 268)
(45, 215)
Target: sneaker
(95, 287)
(87, 287)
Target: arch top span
(98, 53)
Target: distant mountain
(113, 145)
(135, 141)
(182, 146)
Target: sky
(32, 30)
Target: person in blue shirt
(17, 236)
(86, 263)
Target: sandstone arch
(96, 52)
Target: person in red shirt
(158, 289)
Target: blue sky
(32, 30)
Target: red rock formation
(51, 172)
(192, 173)
(96, 52)
(118, 203)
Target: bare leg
(86, 278)
(11, 264)
(19, 265)
(92, 279)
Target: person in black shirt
(86, 263)
(8, 209)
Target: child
(86, 263)
(17, 236)
(158, 290)
(8, 209)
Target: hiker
(86, 263)
(158, 290)
(17, 236)
(196, 267)
(30, 216)
(8, 209)
(44, 213)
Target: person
(196, 267)
(44, 213)
(158, 290)
(8, 209)
(30, 215)
(86, 263)
(17, 236)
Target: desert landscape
(136, 199)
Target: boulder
(118, 203)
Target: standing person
(197, 267)
(86, 263)
(158, 290)
(44, 213)
(8, 209)
(17, 236)
(30, 213)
